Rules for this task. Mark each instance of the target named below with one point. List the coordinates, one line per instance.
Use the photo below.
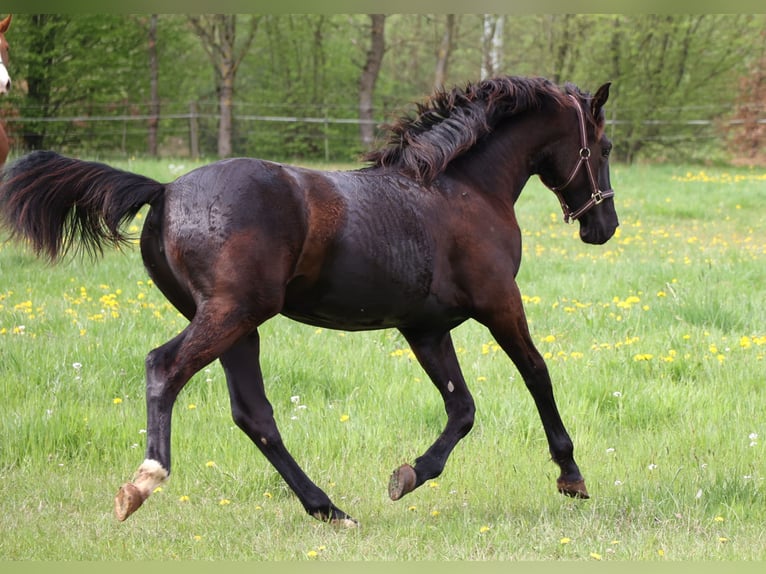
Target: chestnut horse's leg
(215, 327)
(436, 354)
(253, 414)
(510, 330)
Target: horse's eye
(606, 151)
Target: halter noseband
(598, 195)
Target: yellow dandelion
(565, 540)
(312, 553)
(719, 519)
(197, 537)
(660, 552)
(344, 418)
(595, 555)
(191, 406)
(433, 484)
(435, 513)
(116, 400)
(210, 464)
(224, 501)
(158, 489)
(183, 498)
(267, 494)
(484, 529)
(412, 508)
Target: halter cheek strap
(597, 195)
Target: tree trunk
(369, 77)
(227, 35)
(217, 33)
(492, 45)
(154, 73)
(225, 109)
(444, 52)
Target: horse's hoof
(128, 500)
(574, 489)
(336, 517)
(402, 481)
(345, 522)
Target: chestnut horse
(5, 83)
(422, 239)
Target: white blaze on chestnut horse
(5, 83)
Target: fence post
(193, 131)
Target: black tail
(58, 203)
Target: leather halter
(598, 195)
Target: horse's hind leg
(436, 354)
(215, 327)
(253, 414)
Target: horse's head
(580, 162)
(5, 78)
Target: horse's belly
(353, 300)
(365, 294)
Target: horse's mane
(449, 123)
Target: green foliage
(675, 78)
(655, 342)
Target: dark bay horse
(422, 239)
(5, 83)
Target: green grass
(655, 341)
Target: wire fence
(329, 134)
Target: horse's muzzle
(597, 234)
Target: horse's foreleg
(253, 414)
(168, 369)
(510, 330)
(436, 354)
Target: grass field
(655, 341)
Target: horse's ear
(602, 94)
(5, 24)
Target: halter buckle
(598, 197)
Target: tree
(83, 65)
(218, 34)
(154, 81)
(369, 77)
(444, 52)
(676, 75)
(748, 137)
(492, 45)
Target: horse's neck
(502, 164)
